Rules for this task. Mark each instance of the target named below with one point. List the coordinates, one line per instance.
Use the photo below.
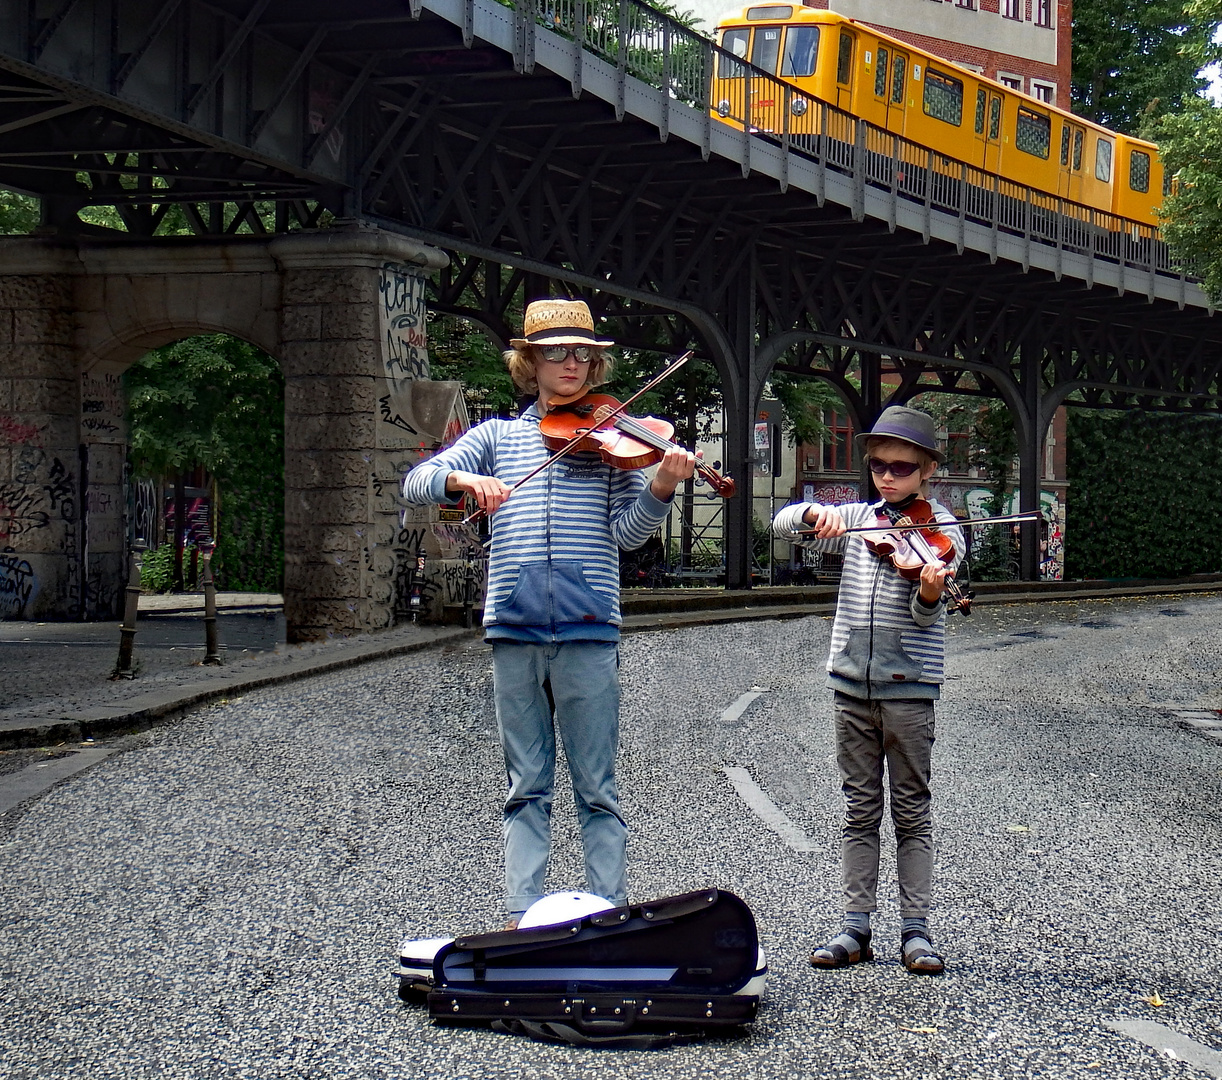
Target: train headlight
(723, 108)
(798, 106)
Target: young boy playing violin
(885, 670)
(551, 610)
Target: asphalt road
(223, 897)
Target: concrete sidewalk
(55, 683)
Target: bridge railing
(688, 67)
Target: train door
(845, 56)
(987, 129)
(898, 90)
(1069, 182)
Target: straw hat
(907, 425)
(556, 321)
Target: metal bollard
(212, 654)
(127, 630)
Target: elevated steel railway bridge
(568, 144)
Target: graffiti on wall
(102, 408)
(830, 494)
(403, 323)
(18, 586)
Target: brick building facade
(1022, 43)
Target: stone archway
(74, 315)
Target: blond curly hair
(521, 364)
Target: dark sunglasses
(558, 354)
(898, 469)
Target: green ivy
(1144, 495)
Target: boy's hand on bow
(489, 493)
(825, 521)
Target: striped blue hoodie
(886, 641)
(553, 567)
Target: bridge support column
(740, 440)
(42, 547)
(341, 476)
(1031, 427)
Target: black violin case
(680, 964)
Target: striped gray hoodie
(886, 642)
(553, 567)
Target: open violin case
(620, 977)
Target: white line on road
(1170, 1043)
(766, 810)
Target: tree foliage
(218, 402)
(1135, 60)
(18, 213)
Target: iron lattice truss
(256, 115)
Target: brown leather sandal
(920, 959)
(835, 955)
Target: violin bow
(567, 448)
(1031, 515)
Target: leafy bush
(1143, 498)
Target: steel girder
(398, 117)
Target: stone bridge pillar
(341, 310)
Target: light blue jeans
(583, 679)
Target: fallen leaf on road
(1017, 828)
(920, 1030)
(1154, 1000)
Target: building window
(1014, 82)
(837, 443)
(1043, 13)
(958, 452)
(969, 4)
(1011, 9)
(1044, 91)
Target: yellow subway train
(902, 89)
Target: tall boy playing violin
(885, 670)
(552, 607)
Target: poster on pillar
(978, 502)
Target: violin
(911, 548)
(597, 423)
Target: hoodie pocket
(888, 663)
(565, 597)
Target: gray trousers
(899, 734)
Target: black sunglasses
(898, 469)
(558, 354)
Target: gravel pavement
(223, 896)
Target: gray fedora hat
(907, 425)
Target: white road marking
(766, 810)
(735, 711)
(1170, 1043)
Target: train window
(1139, 171)
(766, 48)
(1103, 160)
(844, 60)
(1077, 148)
(1033, 132)
(880, 73)
(1064, 145)
(943, 97)
(994, 118)
(1168, 183)
(898, 70)
(733, 41)
(801, 51)
(776, 12)
(981, 99)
